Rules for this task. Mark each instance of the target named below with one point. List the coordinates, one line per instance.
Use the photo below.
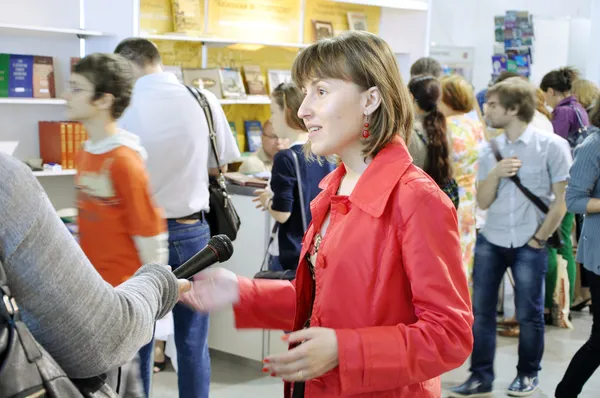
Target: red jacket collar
(374, 187)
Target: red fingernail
(266, 360)
(273, 374)
(284, 337)
(265, 370)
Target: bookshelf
(33, 101)
(42, 31)
(61, 173)
(219, 42)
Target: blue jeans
(191, 328)
(529, 268)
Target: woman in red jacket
(380, 305)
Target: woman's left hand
(263, 197)
(316, 355)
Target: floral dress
(467, 136)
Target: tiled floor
(231, 379)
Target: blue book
(20, 78)
(253, 133)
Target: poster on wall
(455, 60)
(259, 20)
(515, 38)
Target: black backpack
(26, 369)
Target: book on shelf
(187, 16)
(253, 134)
(255, 80)
(234, 133)
(4, 74)
(60, 142)
(43, 77)
(246, 180)
(20, 82)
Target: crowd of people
(399, 209)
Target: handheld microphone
(218, 250)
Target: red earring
(366, 133)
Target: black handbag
(27, 370)
(555, 241)
(265, 272)
(222, 217)
(577, 137)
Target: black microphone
(218, 250)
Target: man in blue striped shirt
(515, 233)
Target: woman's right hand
(212, 289)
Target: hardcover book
(4, 73)
(20, 82)
(43, 77)
(253, 132)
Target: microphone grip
(199, 261)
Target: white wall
(470, 23)
(405, 31)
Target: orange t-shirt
(115, 204)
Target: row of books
(27, 76)
(230, 82)
(60, 142)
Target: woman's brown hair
(595, 115)
(457, 93)
(367, 61)
(289, 98)
(560, 80)
(540, 104)
(427, 90)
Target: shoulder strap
(300, 190)
(579, 119)
(203, 102)
(530, 195)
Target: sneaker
(523, 386)
(471, 388)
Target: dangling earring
(366, 133)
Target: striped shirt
(584, 185)
(512, 219)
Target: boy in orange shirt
(120, 227)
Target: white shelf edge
(55, 174)
(410, 5)
(246, 101)
(33, 101)
(45, 29)
(217, 41)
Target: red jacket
(389, 280)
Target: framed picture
(357, 21)
(322, 29)
(276, 77)
(208, 79)
(232, 83)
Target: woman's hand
(212, 289)
(316, 355)
(263, 198)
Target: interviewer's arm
(585, 174)
(88, 326)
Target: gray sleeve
(585, 174)
(559, 159)
(87, 326)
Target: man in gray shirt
(515, 234)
